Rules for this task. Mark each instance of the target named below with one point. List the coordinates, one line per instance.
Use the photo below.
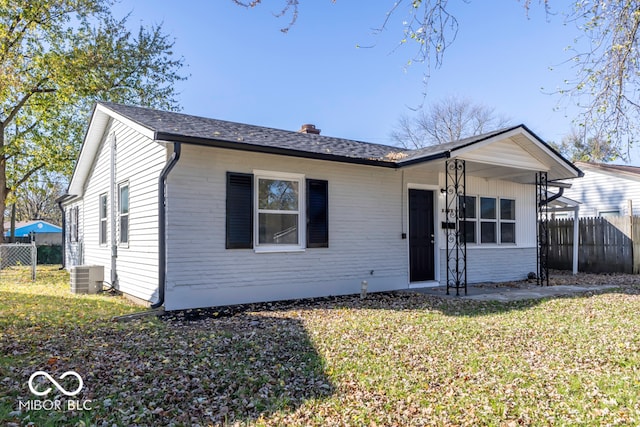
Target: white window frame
(473, 219)
(478, 220)
(121, 215)
(270, 247)
(609, 212)
(513, 221)
(103, 231)
(482, 220)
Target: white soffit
(518, 149)
(506, 153)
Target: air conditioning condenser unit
(87, 279)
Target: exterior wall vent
(87, 279)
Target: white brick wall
(367, 216)
(364, 234)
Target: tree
(579, 149)
(447, 120)
(35, 199)
(57, 57)
(606, 85)
(607, 81)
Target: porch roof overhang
(563, 204)
(515, 154)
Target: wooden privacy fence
(606, 245)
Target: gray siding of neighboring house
(600, 192)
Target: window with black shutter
(239, 211)
(317, 213)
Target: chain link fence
(16, 256)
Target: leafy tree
(447, 120)
(56, 58)
(579, 149)
(606, 84)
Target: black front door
(421, 236)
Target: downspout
(112, 198)
(162, 226)
(64, 233)
(552, 198)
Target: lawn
(391, 359)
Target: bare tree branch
(448, 120)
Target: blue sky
(243, 68)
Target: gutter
(162, 215)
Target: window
(73, 224)
(276, 211)
(507, 221)
(468, 210)
(123, 212)
(488, 219)
(103, 219)
(609, 212)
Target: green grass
(398, 359)
(48, 302)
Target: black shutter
(239, 211)
(317, 213)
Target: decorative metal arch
(542, 214)
(456, 182)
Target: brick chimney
(307, 128)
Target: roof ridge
(116, 107)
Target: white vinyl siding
(139, 161)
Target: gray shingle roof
(634, 170)
(171, 126)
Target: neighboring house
(606, 190)
(43, 232)
(187, 212)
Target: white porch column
(576, 238)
